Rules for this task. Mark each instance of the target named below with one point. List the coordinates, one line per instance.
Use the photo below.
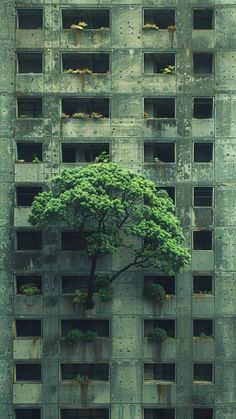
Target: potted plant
(29, 289)
(157, 334)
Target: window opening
(28, 328)
(160, 17)
(170, 190)
(167, 324)
(29, 107)
(202, 196)
(84, 414)
(27, 413)
(202, 328)
(98, 372)
(101, 327)
(29, 152)
(26, 194)
(159, 108)
(29, 62)
(29, 240)
(202, 63)
(202, 240)
(28, 372)
(203, 107)
(96, 63)
(74, 240)
(159, 371)
(203, 372)
(203, 413)
(203, 152)
(94, 18)
(29, 18)
(82, 108)
(203, 19)
(202, 284)
(162, 63)
(69, 284)
(167, 282)
(159, 413)
(33, 280)
(159, 152)
(83, 152)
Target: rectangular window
(28, 372)
(163, 18)
(26, 194)
(74, 240)
(29, 18)
(159, 108)
(170, 190)
(84, 414)
(69, 284)
(97, 372)
(203, 372)
(29, 152)
(159, 63)
(203, 19)
(94, 18)
(159, 371)
(95, 62)
(202, 240)
(27, 413)
(31, 280)
(29, 107)
(166, 324)
(159, 152)
(202, 63)
(29, 240)
(203, 413)
(202, 196)
(83, 152)
(202, 284)
(29, 62)
(159, 413)
(84, 108)
(28, 328)
(203, 152)
(101, 327)
(203, 107)
(167, 282)
(203, 328)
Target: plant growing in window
(156, 292)
(82, 380)
(36, 159)
(80, 115)
(79, 297)
(169, 69)
(171, 28)
(157, 335)
(79, 71)
(103, 157)
(80, 25)
(75, 335)
(96, 115)
(29, 289)
(150, 26)
(65, 115)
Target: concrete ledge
(162, 38)
(27, 393)
(92, 393)
(203, 348)
(88, 38)
(203, 39)
(166, 349)
(159, 392)
(27, 348)
(99, 350)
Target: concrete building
(176, 124)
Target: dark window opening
(203, 152)
(101, 327)
(74, 240)
(202, 196)
(29, 152)
(159, 63)
(202, 240)
(29, 240)
(159, 152)
(203, 413)
(28, 372)
(202, 328)
(159, 108)
(203, 372)
(167, 282)
(84, 414)
(91, 371)
(167, 324)
(29, 62)
(28, 328)
(202, 107)
(159, 371)
(29, 107)
(29, 18)
(170, 190)
(83, 152)
(29, 279)
(159, 413)
(94, 18)
(26, 194)
(97, 63)
(160, 17)
(202, 63)
(202, 284)
(27, 413)
(69, 284)
(203, 19)
(87, 107)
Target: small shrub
(103, 157)
(79, 297)
(73, 336)
(82, 379)
(29, 289)
(169, 69)
(150, 26)
(105, 294)
(155, 292)
(89, 336)
(157, 335)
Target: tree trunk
(89, 301)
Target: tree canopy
(119, 209)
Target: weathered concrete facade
(203, 156)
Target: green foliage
(103, 157)
(79, 297)
(105, 294)
(82, 380)
(29, 289)
(75, 335)
(157, 335)
(155, 292)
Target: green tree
(120, 210)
